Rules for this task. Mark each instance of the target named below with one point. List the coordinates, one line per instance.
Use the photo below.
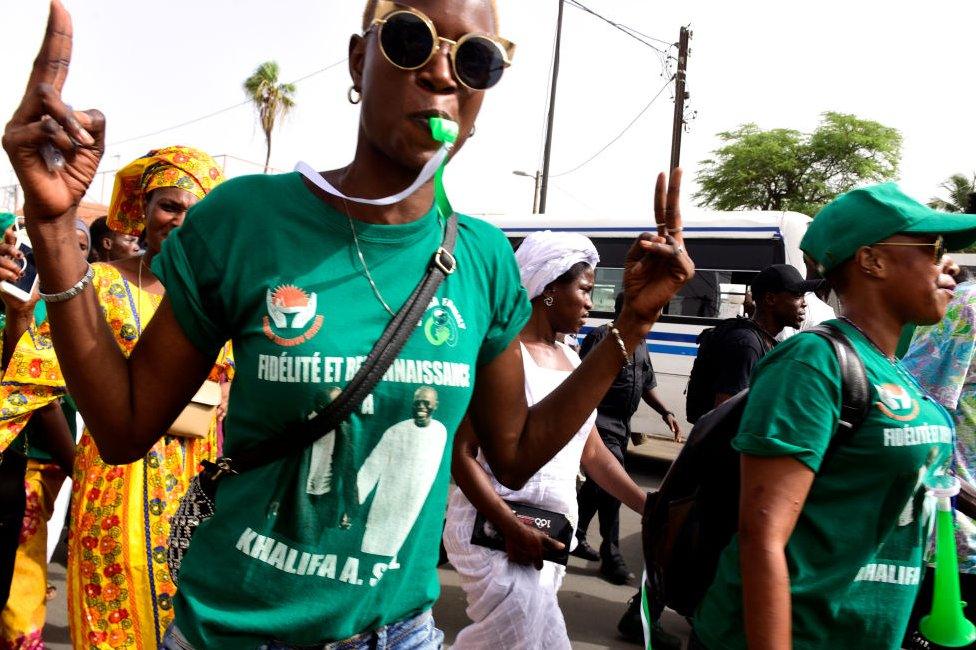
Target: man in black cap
(778, 292)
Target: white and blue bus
(729, 249)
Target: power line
(619, 135)
(652, 38)
(629, 31)
(177, 126)
(218, 112)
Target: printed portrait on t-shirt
(320, 467)
(399, 473)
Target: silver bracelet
(620, 341)
(71, 292)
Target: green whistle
(443, 130)
(446, 132)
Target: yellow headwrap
(183, 167)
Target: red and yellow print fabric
(119, 589)
(120, 594)
(183, 167)
(32, 380)
(22, 620)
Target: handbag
(194, 422)
(198, 504)
(554, 524)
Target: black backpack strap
(376, 364)
(855, 389)
(752, 326)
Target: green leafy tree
(958, 188)
(272, 100)
(785, 169)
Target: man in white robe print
(401, 468)
(320, 468)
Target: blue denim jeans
(416, 633)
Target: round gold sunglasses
(409, 40)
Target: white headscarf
(544, 256)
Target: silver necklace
(362, 260)
(890, 359)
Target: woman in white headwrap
(512, 594)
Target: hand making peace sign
(54, 150)
(657, 266)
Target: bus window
(733, 299)
(711, 294)
(725, 270)
(701, 297)
(609, 282)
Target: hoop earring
(354, 98)
(548, 301)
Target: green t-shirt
(855, 556)
(344, 537)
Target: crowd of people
(184, 350)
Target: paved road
(590, 605)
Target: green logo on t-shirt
(443, 323)
(897, 403)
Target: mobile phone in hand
(23, 288)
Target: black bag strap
(855, 399)
(738, 322)
(386, 349)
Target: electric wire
(220, 111)
(619, 135)
(668, 44)
(629, 31)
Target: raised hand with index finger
(54, 149)
(657, 265)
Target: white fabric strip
(425, 175)
(544, 255)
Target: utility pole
(535, 190)
(680, 95)
(544, 186)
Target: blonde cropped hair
(370, 11)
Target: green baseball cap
(7, 219)
(868, 215)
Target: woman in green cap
(829, 548)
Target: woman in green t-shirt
(829, 548)
(303, 308)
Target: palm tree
(959, 188)
(271, 99)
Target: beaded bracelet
(620, 341)
(71, 292)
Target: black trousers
(593, 500)
(13, 501)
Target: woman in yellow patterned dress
(119, 588)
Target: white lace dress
(514, 606)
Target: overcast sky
(152, 66)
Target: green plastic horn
(946, 625)
(446, 132)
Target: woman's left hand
(657, 266)
(527, 546)
(11, 261)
